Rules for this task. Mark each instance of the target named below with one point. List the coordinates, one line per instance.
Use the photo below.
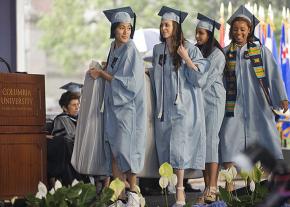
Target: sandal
(200, 199)
(211, 197)
(180, 203)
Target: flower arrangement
(255, 193)
(78, 194)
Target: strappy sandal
(211, 196)
(179, 203)
(200, 199)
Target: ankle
(180, 188)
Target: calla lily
(163, 182)
(142, 201)
(75, 181)
(117, 186)
(52, 191)
(225, 175)
(138, 191)
(13, 199)
(229, 174)
(252, 186)
(173, 180)
(233, 171)
(166, 170)
(42, 191)
(57, 185)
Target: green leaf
(106, 195)
(224, 195)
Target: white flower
(75, 181)
(13, 199)
(252, 186)
(173, 180)
(142, 201)
(52, 191)
(57, 185)
(138, 191)
(225, 175)
(42, 191)
(229, 174)
(163, 182)
(233, 171)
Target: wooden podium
(22, 138)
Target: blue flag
(284, 60)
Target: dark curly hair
(66, 98)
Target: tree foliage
(71, 41)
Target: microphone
(7, 64)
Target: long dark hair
(177, 38)
(250, 36)
(207, 48)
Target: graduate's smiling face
(123, 32)
(240, 32)
(201, 36)
(166, 28)
(73, 107)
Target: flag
(270, 42)
(284, 60)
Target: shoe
(118, 203)
(179, 203)
(200, 199)
(133, 200)
(211, 197)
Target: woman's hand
(95, 73)
(284, 105)
(182, 52)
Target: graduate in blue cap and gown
(254, 88)
(124, 102)
(214, 100)
(178, 74)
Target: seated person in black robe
(60, 147)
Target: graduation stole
(254, 54)
(231, 82)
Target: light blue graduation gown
(125, 109)
(253, 119)
(180, 138)
(214, 103)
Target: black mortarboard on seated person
(123, 15)
(72, 87)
